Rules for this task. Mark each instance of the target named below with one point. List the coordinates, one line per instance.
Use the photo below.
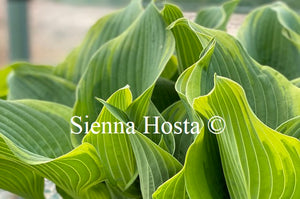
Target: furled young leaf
(102, 31)
(142, 107)
(35, 135)
(291, 127)
(187, 50)
(216, 17)
(271, 35)
(258, 162)
(112, 145)
(137, 57)
(28, 81)
(272, 97)
(154, 164)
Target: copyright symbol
(216, 125)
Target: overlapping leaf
(113, 146)
(177, 113)
(271, 35)
(258, 162)
(296, 82)
(154, 164)
(27, 81)
(291, 127)
(102, 31)
(216, 17)
(17, 177)
(34, 134)
(271, 96)
(134, 58)
(187, 52)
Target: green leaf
(171, 70)
(291, 127)
(3, 81)
(258, 162)
(177, 113)
(188, 47)
(28, 81)
(137, 57)
(203, 172)
(266, 89)
(17, 177)
(34, 135)
(216, 17)
(149, 157)
(102, 31)
(271, 35)
(202, 175)
(174, 188)
(154, 164)
(112, 145)
(296, 82)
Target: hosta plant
(153, 105)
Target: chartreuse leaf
(174, 188)
(112, 142)
(171, 70)
(216, 17)
(202, 175)
(34, 135)
(296, 82)
(17, 177)
(188, 46)
(265, 88)
(154, 164)
(271, 35)
(27, 81)
(103, 30)
(291, 127)
(137, 57)
(142, 107)
(258, 162)
(4, 72)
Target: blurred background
(45, 31)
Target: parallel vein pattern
(257, 161)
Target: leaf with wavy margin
(105, 29)
(272, 97)
(271, 35)
(257, 162)
(137, 57)
(34, 133)
(216, 17)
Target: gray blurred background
(55, 27)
